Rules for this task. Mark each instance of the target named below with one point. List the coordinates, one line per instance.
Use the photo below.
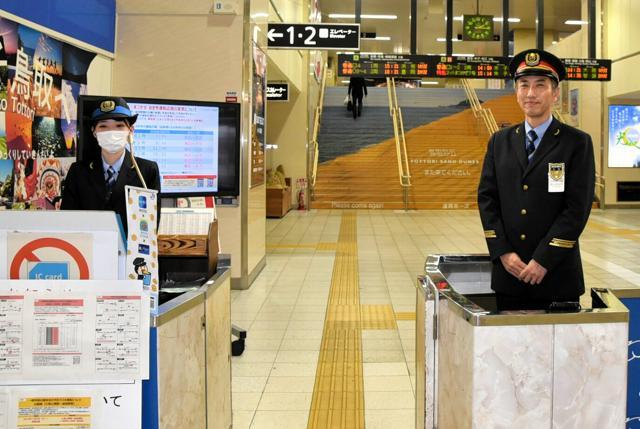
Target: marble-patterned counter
(483, 369)
(193, 358)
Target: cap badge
(532, 59)
(107, 106)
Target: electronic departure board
(437, 66)
(587, 69)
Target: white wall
(168, 49)
(621, 35)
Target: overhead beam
(540, 24)
(505, 28)
(449, 36)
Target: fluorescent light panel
(428, 82)
(444, 39)
(575, 22)
(363, 16)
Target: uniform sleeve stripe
(565, 244)
(490, 233)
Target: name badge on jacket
(556, 177)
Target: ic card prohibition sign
(26, 253)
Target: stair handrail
(314, 147)
(399, 137)
(478, 110)
(403, 141)
(558, 115)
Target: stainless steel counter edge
(477, 316)
(173, 308)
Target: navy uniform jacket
(520, 215)
(85, 187)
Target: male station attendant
(535, 194)
(97, 183)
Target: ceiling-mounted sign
(314, 36)
(277, 91)
(477, 67)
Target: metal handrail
(399, 136)
(485, 114)
(315, 149)
(558, 115)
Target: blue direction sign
(314, 36)
(48, 271)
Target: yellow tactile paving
(630, 234)
(338, 394)
(319, 246)
(378, 317)
(406, 315)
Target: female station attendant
(98, 182)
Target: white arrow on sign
(272, 35)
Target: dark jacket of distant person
(357, 87)
(520, 215)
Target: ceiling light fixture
(363, 16)
(444, 39)
(575, 22)
(429, 82)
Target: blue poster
(624, 136)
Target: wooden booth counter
(279, 200)
(192, 334)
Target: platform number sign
(314, 36)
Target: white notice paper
(73, 331)
(11, 307)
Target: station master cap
(535, 62)
(113, 108)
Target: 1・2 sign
(314, 36)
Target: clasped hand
(531, 273)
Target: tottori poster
(259, 89)
(40, 81)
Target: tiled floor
(284, 310)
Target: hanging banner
(40, 80)
(258, 99)
(142, 242)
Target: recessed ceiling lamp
(444, 39)
(363, 16)
(575, 22)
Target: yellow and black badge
(107, 106)
(556, 176)
(532, 59)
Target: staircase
(445, 147)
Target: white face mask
(112, 141)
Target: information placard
(314, 36)
(73, 331)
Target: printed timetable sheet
(73, 331)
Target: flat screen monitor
(195, 143)
(624, 136)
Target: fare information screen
(183, 140)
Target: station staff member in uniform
(535, 194)
(97, 183)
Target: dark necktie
(531, 138)
(111, 178)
